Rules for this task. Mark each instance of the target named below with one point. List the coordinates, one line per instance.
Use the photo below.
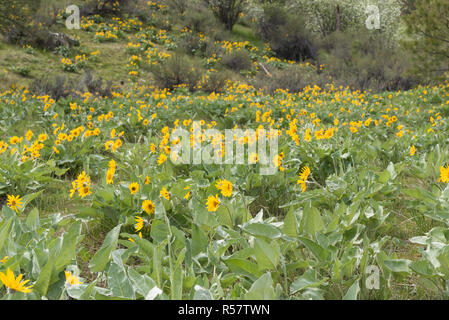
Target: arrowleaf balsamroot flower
(82, 185)
(212, 203)
(162, 158)
(304, 174)
(444, 174)
(225, 186)
(71, 279)
(112, 166)
(14, 202)
(165, 194)
(134, 187)
(253, 158)
(139, 223)
(13, 283)
(148, 206)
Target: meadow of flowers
(94, 208)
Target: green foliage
(16, 15)
(178, 70)
(227, 11)
(238, 60)
(362, 60)
(292, 78)
(324, 17)
(286, 34)
(199, 18)
(428, 31)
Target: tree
(227, 11)
(428, 27)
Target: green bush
(57, 87)
(178, 5)
(189, 43)
(293, 78)
(216, 82)
(286, 34)
(177, 70)
(238, 60)
(199, 19)
(428, 30)
(227, 11)
(362, 60)
(24, 71)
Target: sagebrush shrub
(293, 78)
(238, 60)
(177, 70)
(363, 61)
(286, 34)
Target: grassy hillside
(110, 55)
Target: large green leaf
(244, 267)
(352, 292)
(103, 256)
(307, 280)
(290, 227)
(43, 281)
(262, 229)
(69, 246)
(318, 251)
(142, 283)
(4, 231)
(202, 294)
(118, 280)
(398, 265)
(262, 289)
(267, 255)
(311, 221)
(32, 220)
(199, 240)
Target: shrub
(105, 7)
(16, 15)
(189, 43)
(238, 60)
(429, 30)
(200, 19)
(363, 61)
(57, 87)
(178, 5)
(293, 78)
(24, 71)
(177, 70)
(60, 87)
(95, 86)
(216, 81)
(227, 11)
(286, 34)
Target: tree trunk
(337, 18)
